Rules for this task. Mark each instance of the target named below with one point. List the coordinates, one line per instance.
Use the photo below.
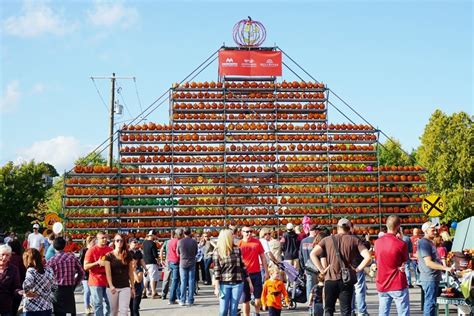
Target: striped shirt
(230, 268)
(67, 269)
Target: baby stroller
(296, 284)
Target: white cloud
(108, 14)
(10, 96)
(36, 18)
(38, 88)
(61, 152)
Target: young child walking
(316, 307)
(273, 291)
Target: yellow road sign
(50, 219)
(433, 205)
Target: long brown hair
(319, 236)
(123, 249)
(32, 259)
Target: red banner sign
(249, 63)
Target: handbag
(348, 277)
(310, 267)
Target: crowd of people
(244, 266)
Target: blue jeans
(135, 301)
(414, 264)
(402, 301)
(207, 265)
(188, 282)
(229, 297)
(358, 300)
(431, 292)
(99, 297)
(310, 282)
(407, 271)
(87, 294)
(174, 290)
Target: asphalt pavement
(206, 304)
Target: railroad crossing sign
(433, 205)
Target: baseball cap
(428, 225)
(132, 240)
(264, 231)
(151, 233)
(289, 226)
(344, 222)
(36, 226)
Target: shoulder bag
(348, 275)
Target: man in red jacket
(391, 254)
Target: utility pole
(112, 112)
(111, 128)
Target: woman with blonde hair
(38, 285)
(229, 274)
(119, 270)
(447, 240)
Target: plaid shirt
(230, 268)
(67, 269)
(42, 285)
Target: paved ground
(206, 304)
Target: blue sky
(395, 62)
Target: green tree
(446, 150)
(53, 200)
(392, 154)
(22, 189)
(92, 158)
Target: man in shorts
(94, 262)
(252, 251)
(150, 254)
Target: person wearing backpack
(290, 245)
(340, 276)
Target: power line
(100, 95)
(138, 96)
(142, 115)
(119, 92)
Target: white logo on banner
(249, 63)
(269, 64)
(229, 62)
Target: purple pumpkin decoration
(249, 33)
